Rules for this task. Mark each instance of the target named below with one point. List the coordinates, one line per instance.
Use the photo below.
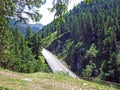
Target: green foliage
(23, 81)
(79, 44)
(60, 8)
(90, 70)
(93, 44)
(87, 71)
(83, 26)
(3, 40)
(118, 58)
(92, 1)
(48, 40)
(41, 65)
(60, 75)
(29, 34)
(92, 51)
(14, 51)
(16, 8)
(66, 50)
(19, 55)
(35, 45)
(4, 7)
(88, 1)
(3, 88)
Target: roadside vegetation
(46, 81)
(89, 40)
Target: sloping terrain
(43, 81)
(89, 40)
(22, 26)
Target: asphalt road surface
(55, 64)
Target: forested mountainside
(21, 53)
(89, 40)
(22, 26)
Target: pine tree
(35, 46)
(28, 34)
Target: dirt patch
(9, 74)
(48, 84)
(27, 79)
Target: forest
(87, 38)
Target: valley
(86, 39)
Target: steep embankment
(43, 81)
(89, 39)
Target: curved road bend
(55, 64)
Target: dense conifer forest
(89, 40)
(22, 52)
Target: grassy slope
(49, 39)
(43, 81)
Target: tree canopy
(16, 8)
(89, 40)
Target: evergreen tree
(35, 46)
(97, 26)
(28, 34)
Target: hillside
(43, 81)
(89, 40)
(22, 26)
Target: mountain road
(55, 64)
